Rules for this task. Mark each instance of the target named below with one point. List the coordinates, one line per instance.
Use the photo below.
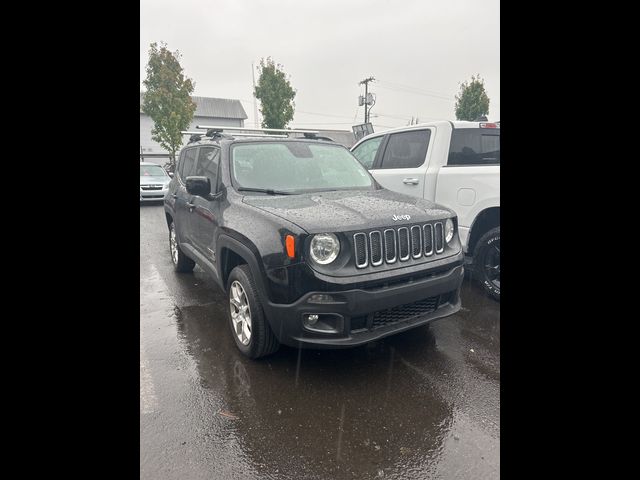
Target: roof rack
(259, 135)
(217, 131)
(249, 129)
(197, 136)
(263, 132)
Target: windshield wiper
(269, 191)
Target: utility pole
(366, 97)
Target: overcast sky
(418, 51)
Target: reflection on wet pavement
(422, 404)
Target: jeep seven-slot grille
(401, 243)
(416, 241)
(360, 246)
(376, 248)
(428, 240)
(439, 238)
(390, 254)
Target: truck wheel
(181, 263)
(487, 261)
(249, 326)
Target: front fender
(250, 253)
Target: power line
(417, 93)
(408, 88)
(356, 114)
(420, 89)
(322, 114)
(407, 117)
(307, 112)
(399, 117)
(353, 121)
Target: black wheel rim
(492, 264)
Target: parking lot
(421, 404)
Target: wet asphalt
(421, 404)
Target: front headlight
(325, 248)
(448, 230)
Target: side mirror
(170, 174)
(200, 186)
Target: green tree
(275, 94)
(472, 101)
(168, 98)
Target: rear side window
(208, 160)
(406, 149)
(366, 151)
(188, 163)
(474, 146)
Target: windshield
(297, 166)
(151, 171)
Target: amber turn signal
(290, 242)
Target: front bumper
(361, 315)
(153, 195)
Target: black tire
(262, 341)
(486, 253)
(181, 263)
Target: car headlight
(325, 248)
(448, 230)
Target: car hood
(147, 179)
(349, 210)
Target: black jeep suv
(310, 250)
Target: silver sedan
(154, 182)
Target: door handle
(191, 205)
(410, 181)
(174, 195)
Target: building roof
(214, 107)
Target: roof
(465, 124)
(214, 107)
(436, 123)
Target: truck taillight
(488, 125)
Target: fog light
(330, 323)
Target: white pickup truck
(455, 164)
